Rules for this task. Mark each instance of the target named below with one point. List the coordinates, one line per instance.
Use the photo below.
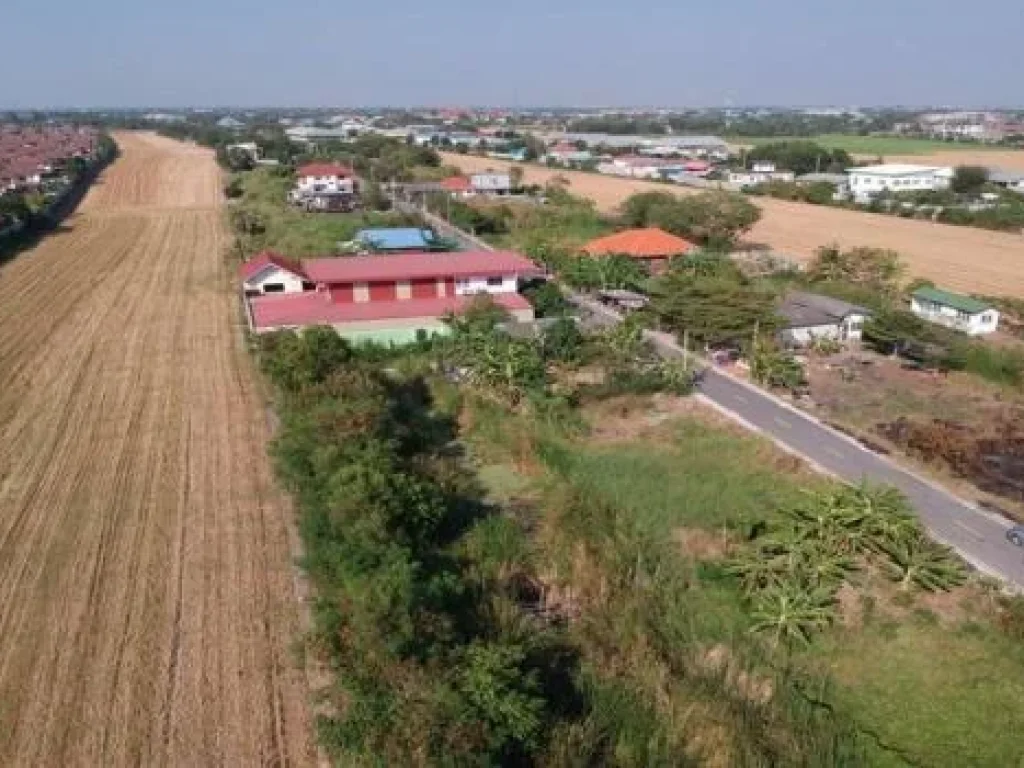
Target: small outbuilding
(952, 310)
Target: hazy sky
(530, 52)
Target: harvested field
(961, 258)
(147, 603)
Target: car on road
(1016, 535)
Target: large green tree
(715, 306)
(801, 157)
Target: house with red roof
(486, 183)
(652, 246)
(384, 298)
(325, 187)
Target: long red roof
(411, 266)
(312, 308)
(325, 169)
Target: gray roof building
(809, 310)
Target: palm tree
(791, 614)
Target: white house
(868, 181)
(1012, 180)
(759, 173)
(491, 183)
(640, 167)
(810, 316)
(962, 313)
(330, 178)
(272, 273)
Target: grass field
(871, 145)
(925, 679)
(291, 230)
(147, 602)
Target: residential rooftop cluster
(28, 154)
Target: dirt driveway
(146, 599)
(961, 258)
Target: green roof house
(962, 313)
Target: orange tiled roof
(639, 243)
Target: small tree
(515, 175)
(969, 179)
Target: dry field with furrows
(147, 604)
(961, 258)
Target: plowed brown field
(146, 595)
(961, 258)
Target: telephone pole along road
(978, 537)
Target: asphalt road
(979, 537)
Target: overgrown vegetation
(713, 219)
(261, 218)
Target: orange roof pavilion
(647, 243)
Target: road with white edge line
(978, 536)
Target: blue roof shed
(397, 239)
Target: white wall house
(868, 181)
(493, 285)
(962, 313)
(269, 274)
(759, 173)
(325, 177)
(638, 167)
(811, 317)
(491, 183)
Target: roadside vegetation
(517, 565)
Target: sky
(327, 53)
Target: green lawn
(942, 696)
(292, 231)
(874, 145)
(919, 692)
(687, 483)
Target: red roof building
(325, 171)
(384, 298)
(457, 184)
(653, 246)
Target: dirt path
(146, 601)
(961, 258)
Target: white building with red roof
(325, 177)
(380, 298)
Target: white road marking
(968, 528)
(783, 423)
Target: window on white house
(986, 319)
(495, 282)
(273, 287)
